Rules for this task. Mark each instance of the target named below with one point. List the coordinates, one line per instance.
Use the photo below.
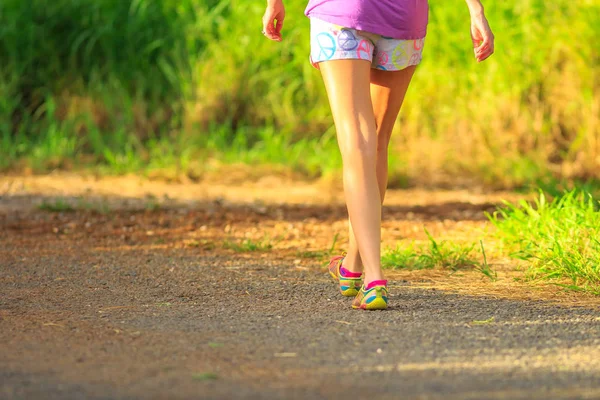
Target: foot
(373, 296)
(349, 282)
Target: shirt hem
(400, 34)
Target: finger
(485, 46)
(271, 34)
(268, 27)
(485, 55)
(488, 40)
(279, 26)
(274, 37)
(482, 48)
(267, 18)
(477, 51)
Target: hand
(273, 20)
(482, 36)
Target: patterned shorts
(333, 42)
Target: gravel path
(113, 306)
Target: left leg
(348, 89)
(388, 89)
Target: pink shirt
(398, 19)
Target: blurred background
(187, 89)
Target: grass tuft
(483, 322)
(435, 254)
(205, 376)
(558, 239)
(152, 204)
(249, 245)
(56, 205)
(485, 268)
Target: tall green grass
(438, 254)
(559, 239)
(137, 84)
(103, 80)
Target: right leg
(388, 89)
(348, 87)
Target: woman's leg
(348, 87)
(388, 89)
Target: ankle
(352, 264)
(371, 278)
(372, 284)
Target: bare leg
(387, 94)
(348, 88)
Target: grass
(205, 376)
(152, 204)
(167, 92)
(437, 254)
(557, 239)
(249, 245)
(485, 268)
(56, 205)
(80, 204)
(483, 322)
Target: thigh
(394, 63)
(388, 89)
(348, 88)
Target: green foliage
(97, 78)
(152, 203)
(56, 205)
(140, 84)
(249, 245)
(138, 43)
(205, 376)
(558, 239)
(436, 254)
(483, 322)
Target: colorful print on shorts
(335, 42)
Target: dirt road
(138, 295)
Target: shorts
(333, 42)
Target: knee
(358, 152)
(357, 142)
